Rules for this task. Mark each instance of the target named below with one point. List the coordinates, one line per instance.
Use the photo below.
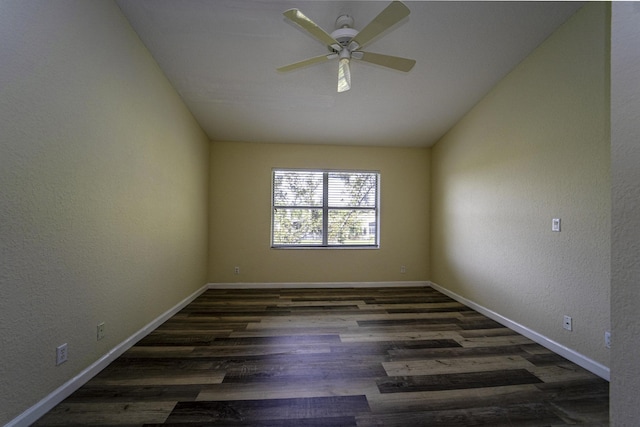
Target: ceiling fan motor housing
(344, 33)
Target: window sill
(363, 247)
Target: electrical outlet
(61, 354)
(403, 269)
(236, 270)
(100, 331)
(567, 323)
(607, 339)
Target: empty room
(321, 213)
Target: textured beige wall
(625, 248)
(535, 148)
(104, 190)
(241, 215)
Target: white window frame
(325, 211)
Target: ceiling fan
(345, 43)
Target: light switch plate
(555, 224)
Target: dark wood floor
(335, 357)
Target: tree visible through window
(314, 208)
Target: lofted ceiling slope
(222, 55)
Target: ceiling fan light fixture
(344, 75)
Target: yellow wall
(535, 148)
(240, 224)
(103, 192)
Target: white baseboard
(313, 285)
(35, 412)
(572, 355)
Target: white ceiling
(222, 55)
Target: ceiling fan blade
(395, 62)
(391, 15)
(306, 62)
(298, 18)
(344, 75)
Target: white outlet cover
(61, 354)
(555, 224)
(100, 331)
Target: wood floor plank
(278, 340)
(528, 414)
(281, 390)
(406, 384)
(495, 332)
(408, 335)
(308, 422)
(127, 364)
(497, 341)
(584, 388)
(390, 348)
(450, 352)
(561, 372)
(158, 351)
(300, 322)
(413, 321)
(269, 409)
(259, 350)
(297, 372)
(335, 357)
(107, 413)
(160, 377)
(269, 330)
(135, 393)
(440, 400)
(455, 365)
(420, 307)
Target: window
(326, 209)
